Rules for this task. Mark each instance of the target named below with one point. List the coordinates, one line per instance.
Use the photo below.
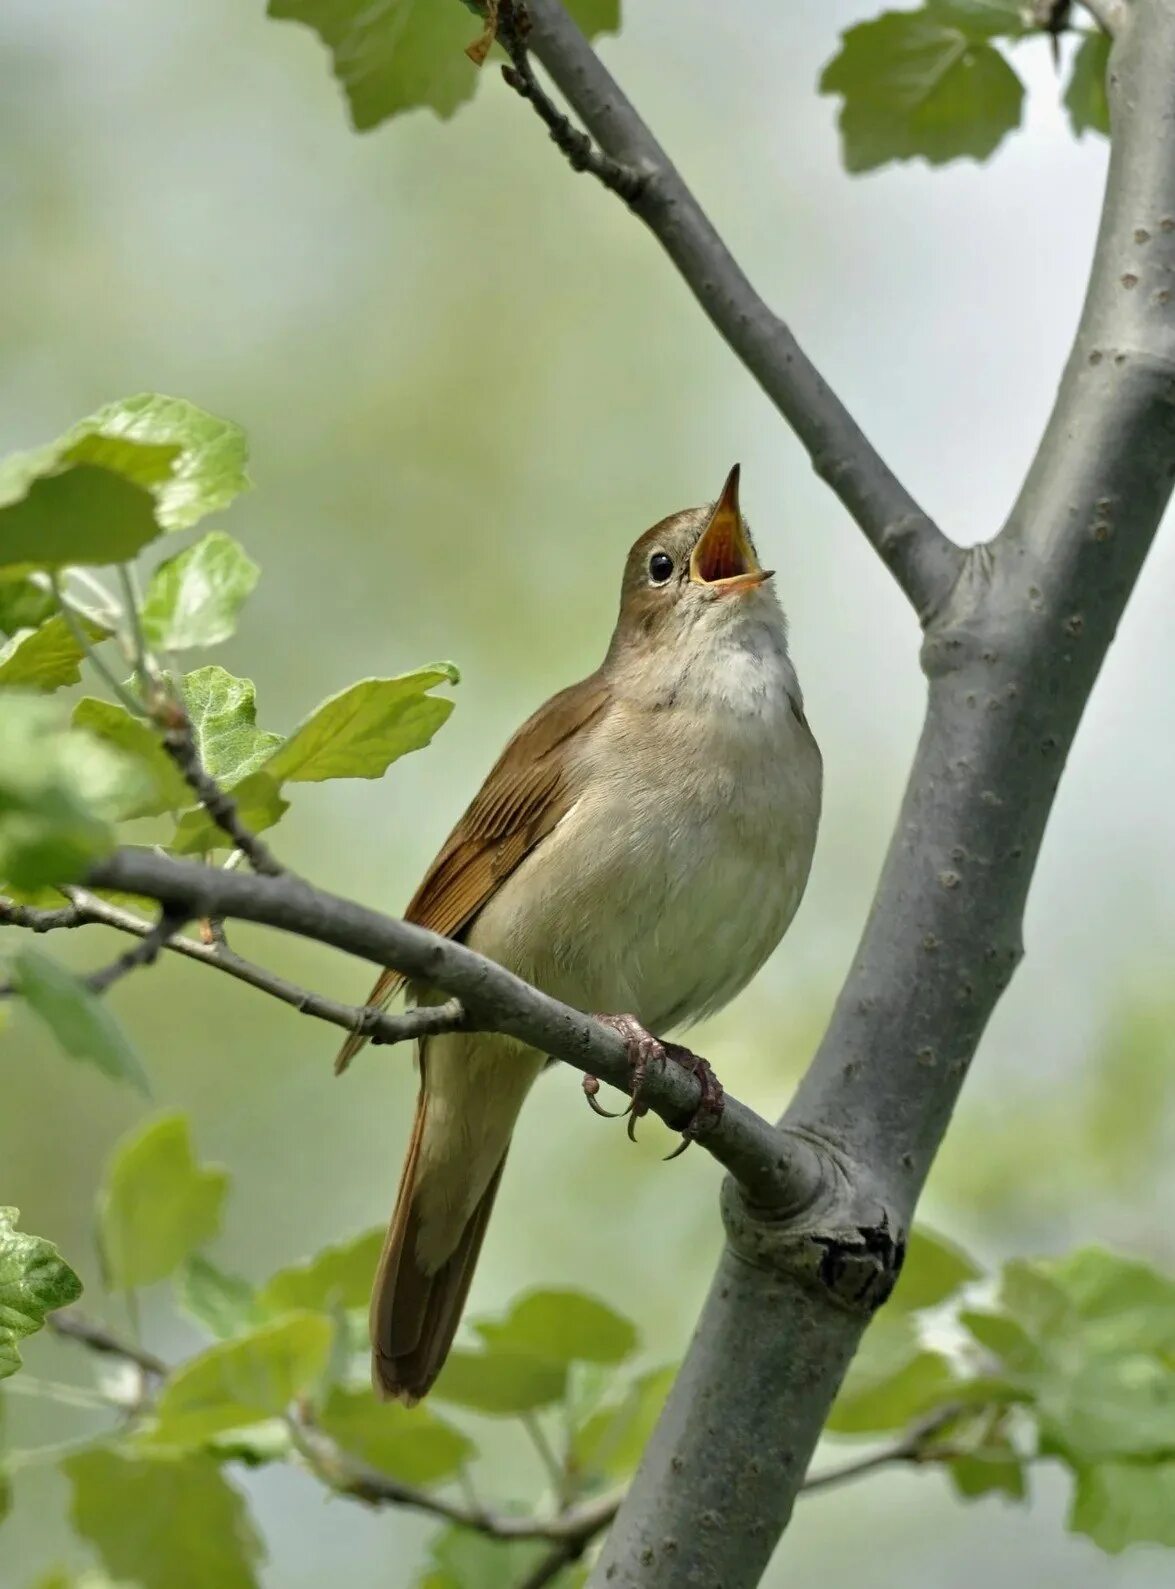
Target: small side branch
(145, 953)
(628, 159)
(179, 742)
(90, 910)
(582, 155)
(76, 1327)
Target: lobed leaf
(34, 1281)
(243, 1381)
(46, 658)
(401, 55)
(115, 481)
(564, 1327)
(337, 1277)
(156, 1205)
(500, 1382)
(162, 1521)
(1125, 1503)
(934, 1270)
(57, 790)
(224, 1304)
(162, 786)
(194, 598)
(416, 1447)
(917, 84)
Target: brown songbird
(641, 845)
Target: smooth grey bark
(1011, 657)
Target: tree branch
(90, 910)
(923, 560)
(1011, 660)
(75, 1327)
(777, 1171)
(170, 716)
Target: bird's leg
(643, 1049)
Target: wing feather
(529, 789)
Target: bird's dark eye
(660, 567)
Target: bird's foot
(643, 1050)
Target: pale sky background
(470, 380)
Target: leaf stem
(119, 691)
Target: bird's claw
(643, 1049)
(591, 1086)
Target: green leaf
(499, 1382)
(355, 734)
(34, 1281)
(362, 730)
(397, 56)
(256, 1446)
(1123, 1303)
(82, 514)
(223, 713)
(403, 55)
(209, 453)
(1085, 97)
(985, 19)
(414, 1446)
(194, 598)
(224, 1304)
(24, 605)
(115, 481)
(259, 805)
(934, 1270)
(243, 1381)
(563, 1326)
(994, 1467)
(80, 1021)
(57, 790)
(337, 1277)
(462, 1559)
(162, 786)
(46, 658)
(1124, 1503)
(611, 1442)
(893, 1380)
(163, 1522)
(914, 85)
(156, 1204)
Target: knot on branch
(846, 1245)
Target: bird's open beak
(724, 558)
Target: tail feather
(415, 1314)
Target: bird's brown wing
(527, 792)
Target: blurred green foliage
(141, 468)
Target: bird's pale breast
(681, 864)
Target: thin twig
(139, 656)
(924, 561)
(117, 689)
(145, 953)
(171, 717)
(913, 1446)
(90, 910)
(582, 154)
(76, 1327)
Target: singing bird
(641, 845)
